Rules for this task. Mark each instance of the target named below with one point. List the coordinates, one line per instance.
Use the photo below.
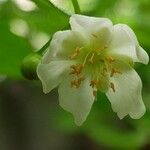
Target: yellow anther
(112, 86)
(110, 59)
(94, 83)
(91, 60)
(73, 67)
(94, 35)
(77, 82)
(77, 69)
(76, 53)
(113, 71)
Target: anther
(94, 83)
(77, 69)
(112, 86)
(73, 67)
(113, 71)
(75, 83)
(110, 59)
(76, 53)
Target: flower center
(94, 63)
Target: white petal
(124, 42)
(77, 101)
(88, 24)
(92, 27)
(142, 55)
(62, 45)
(52, 74)
(127, 97)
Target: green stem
(76, 6)
(40, 51)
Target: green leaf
(47, 18)
(68, 7)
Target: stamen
(110, 59)
(74, 69)
(113, 71)
(85, 59)
(112, 86)
(94, 83)
(91, 60)
(76, 53)
(77, 69)
(77, 82)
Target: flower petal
(77, 101)
(127, 97)
(142, 55)
(124, 42)
(93, 28)
(52, 74)
(62, 45)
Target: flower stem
(44, 47)
(76, 6)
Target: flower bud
(29, 65)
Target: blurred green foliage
(102, 125)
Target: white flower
(94, 55)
